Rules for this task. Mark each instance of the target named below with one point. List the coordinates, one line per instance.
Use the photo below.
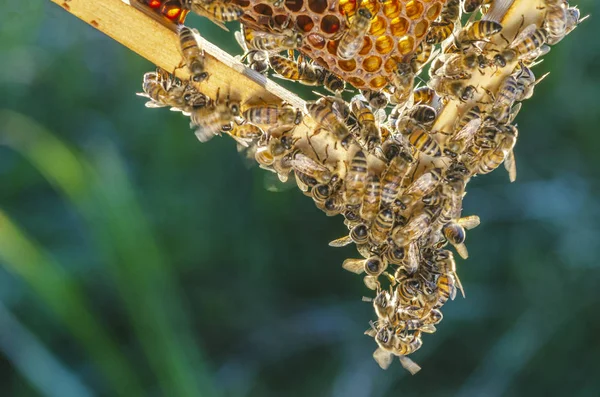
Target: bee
(209, 120)
(304, 164)
(394, 254)
(410, 263)
(423, 96)
(288, 39)
(356, 266)
(424, 143)
(555, 21)
(381, 227)
(215, 10)
(451, 11)
(454, 232)
(435, 317)
(446, 289)
(477, 31)
(358, 234)
(160, 96)
(330, 81)
(245, 134)
(453, 88)
(374, 266)
(393, 177)
(423, 54)
(530, 39)
(356, 177)
(423, 114)
(369, 131)
(371, 198)
(421, 186)
(384, 358)
(416, 325)
(459, 141)
(323, 113)
(458, 66)
(257, 60)
(417, 226)
(470, 6)
(438, 32)
(320, 193)
(352, 39)
(526, 82)
(376, 99)
(402, 80)
(193, 55)
(271, 115)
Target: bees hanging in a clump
(398, 178)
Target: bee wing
(204, 13)
(154, 104)
(409, 365)
(525, 33)
(380, 116)
(511, 166)
(423, 183)
(301, 185)
(429, 328)
(468, 131)
(273, 183)
(462, 250)
(371, 332)
(205, 134)
(371, 282)
(383, 358)
(302, 163)
(469, 222)
(354, 265)
(341, 242)
(239, 37)
(411, 261)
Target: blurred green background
(135, 261)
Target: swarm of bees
(394, 161)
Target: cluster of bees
(398, 176)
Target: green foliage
(146, 263)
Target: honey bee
(323, 113)
(423, 54)
(423, 96)
(193, 55)
(530, 39)
(356, 177)
(384, 358)
(330, 81)
(381, 227)
(352, 39)
(423, 114)
(245, 134)
(417, 226)
(257, 60)
(470, 6)
(288, 39)
(477, 31)
(209, 120)
(438, 32)
(410, 263)
(446, 265)
(369, 131)
(459, 141)
(376, 99)
(271, 115)
(215, 10)
(455, 233)
(402, 80)
(304, 164)
(392, 179)
(424, 143)
(421, 186)
(358, 234)
(445, 290)
(354, 265)
(394, 255)
(375, 266)
(454, 88)
(371, 198)
(555, 21)
(458, 66)
(451, 11)
(320, 193)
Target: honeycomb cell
(348, 65)
(399, 26)
(357, 82)
(304, 23)
(392, 9)
(421, 28)
(281, 20)
(371, 6)
(384, 44)
(347, 7)
(377, 26)
(316, 40)
(378, 82)
(243, 3)
(406, 45)
(332, 47)
(330, 24)
(367, 44)
(433, 12)
(263, 9)
(317, 6)
(414, 9)
(372, 64)
(294, 5)
(390, 65)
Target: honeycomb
(397, 29)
